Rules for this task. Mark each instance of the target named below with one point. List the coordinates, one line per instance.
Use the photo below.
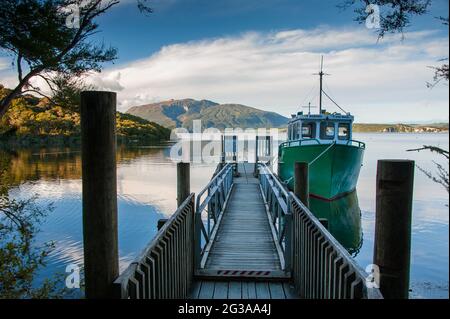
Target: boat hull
(344, 220)
(333, 170)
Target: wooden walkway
(242, 290)
(244, 240)
(244, 245)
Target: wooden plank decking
(242, 290)
(244, 240)
(244, 243)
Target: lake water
(147, 192)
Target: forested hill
(181, 113)
(31, 120)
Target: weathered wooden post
(223, 155)
(98, 136)
(183, 182)
(301, 182)
(269, 145)
(234, 148)
(395, 183)
(256, 156)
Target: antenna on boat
(309, 107)
(321, 74)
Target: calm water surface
(147, 192)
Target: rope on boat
(323, 153)
(334, 102)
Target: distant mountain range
(182, 113)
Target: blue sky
(262, 53)
(178, 21)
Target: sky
(263, 53)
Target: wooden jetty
(244, 236)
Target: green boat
(324, 141)
(343, 220)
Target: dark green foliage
(395, 14)
(40, 121)
(67, 91)
(395, 17)
(35, 34)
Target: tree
(66, 91)
(35, 33)
(395, 17)
(20, 258)
(442, 176)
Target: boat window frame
(323, 127)
(348, 126)
(298, 127)
(313, 129)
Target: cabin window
(344, 131)
(327, 131)
(308, 130)
(297, 131)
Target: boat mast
(321, 74)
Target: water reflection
(146, 192)
(344, 220)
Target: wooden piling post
(269, 145)
(395, 183)
(234, 148)
(98, 136)
(183, 182)
(257, 149)
(223, 155)
(256, 174)
(301, 182)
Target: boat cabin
(325, 128)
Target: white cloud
(108, 82)
(273, 71)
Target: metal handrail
(165, 268)
(359, 144)
(277, 200)
(211, 200)
(315, 141)
(299, 142)
(322, 268)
